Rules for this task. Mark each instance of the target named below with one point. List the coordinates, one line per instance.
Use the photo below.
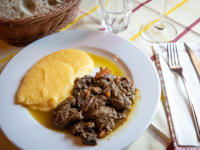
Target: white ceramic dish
(24, 131)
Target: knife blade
(195, 60)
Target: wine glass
(159, 31)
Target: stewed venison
(95, 106)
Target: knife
(195, 60)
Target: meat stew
(96, 105)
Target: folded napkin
(181, 120)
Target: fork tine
(169, 54)
(176, 55)
(173, 54)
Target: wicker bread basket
(20, 32)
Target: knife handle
(195, 114)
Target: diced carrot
(102, 73)
(117, 79)
(108, 93)
(87, 94)
(102, 125)
(102, 134)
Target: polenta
(51, 79)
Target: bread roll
(13, 9)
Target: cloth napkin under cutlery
(177, 104)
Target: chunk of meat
(92, 104)
(105, 123)
(103, 83)
(119, 99)
(81, 97)
(82, 83)
(96, 90)
(89, 138)
(104, 118)
(86, 131)
(103, 111)
(77, 128)
(102, 97)
(81, 126)
(71, 101)
(65, 114)
(89, 126)
(126, 86)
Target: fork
(175, 66)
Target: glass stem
(160, 25)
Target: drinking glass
(115, 14)
(159, 31)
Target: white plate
(24, 131)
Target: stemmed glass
(159, 31)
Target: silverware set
(175, 66)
